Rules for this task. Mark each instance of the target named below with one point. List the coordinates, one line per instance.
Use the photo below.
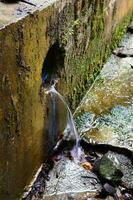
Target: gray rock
(109, 169)
(116, 167)
(109, 189)
(126, 47)
(68, 179)
(122, 52)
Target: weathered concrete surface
(82, 29)
(106, 111)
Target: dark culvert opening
(52, 67)
(53, 64)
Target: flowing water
(70, 132)
(103, 117)
(69, 178)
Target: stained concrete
(27, 32)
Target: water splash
(70, 132)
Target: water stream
(70, 132)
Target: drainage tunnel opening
(53, 64)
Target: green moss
(119, 32)
(108, 170)
(88, 39)
(85, 68)
(68, 32)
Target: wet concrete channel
(104, 117)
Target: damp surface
(67, 179)
(105, 114)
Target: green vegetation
(88, 66)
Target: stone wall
(83, 32)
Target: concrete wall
(85, 31)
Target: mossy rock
(109, 169)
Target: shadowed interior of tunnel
(51, 70)
(53, 64)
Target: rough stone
(116, 167)
(124, 52)
(109, 169)
(126, 47)
(68, 179)
(109, 189)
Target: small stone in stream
(108, 169)
(125, 165)
(109, 189)
(127, 196)
(123, 52)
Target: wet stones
(108, 169)
(109, 189)
(115, 169)
(126, 47)
(122, 53)
(115, 172)
(72, 180)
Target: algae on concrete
(26, 36)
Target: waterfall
(70, 131)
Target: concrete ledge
(13, 12)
